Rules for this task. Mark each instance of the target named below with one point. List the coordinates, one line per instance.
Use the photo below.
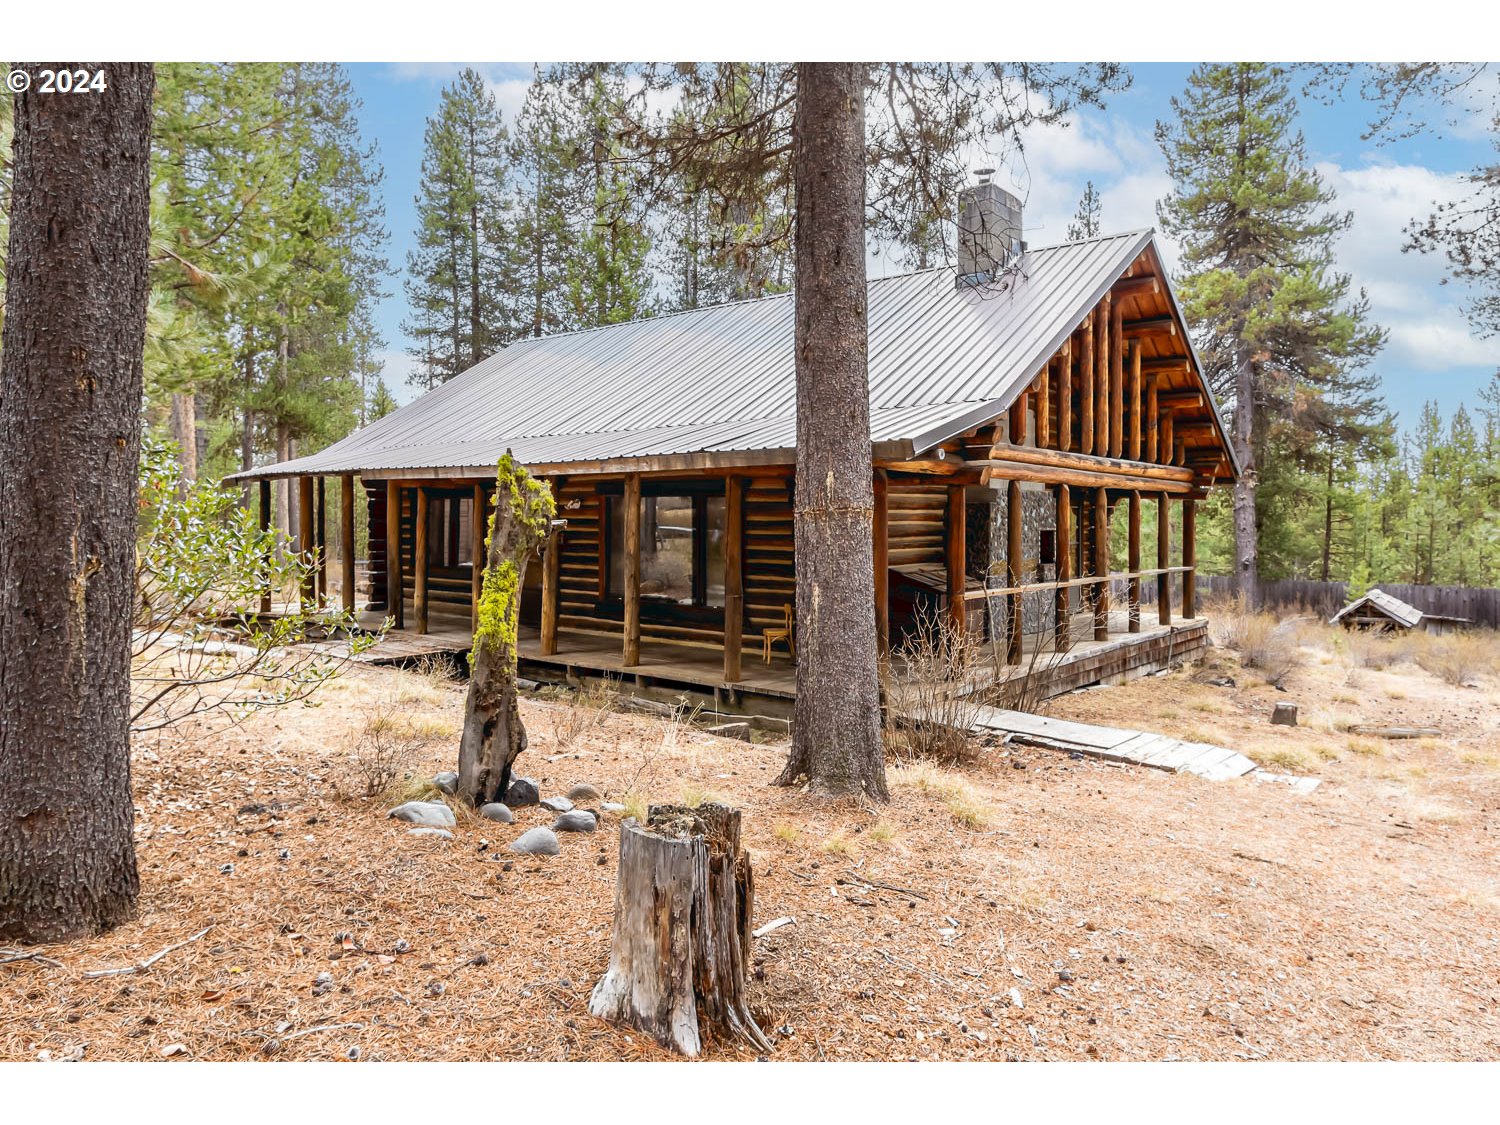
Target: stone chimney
(989, 230)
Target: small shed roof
(720, 382)
(1386, 604)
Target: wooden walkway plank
(1142, 748)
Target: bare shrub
(587, 709)
(384, 751)
(1263, 642)
(1458, 658)
(933, 686)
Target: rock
(1285, 715)
(1222, 681)
(495, 810)
(613, 807)
(1064, 975)
(447, 781)
(583, 791)
(522, 792)
(739, 730)
(538, 841)
(440, 833)
(582, 820)
(556, 804)
(429, 814)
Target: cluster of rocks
(434, 818)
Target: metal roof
(1393, 607)
(722, 380)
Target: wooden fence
(1479, 605)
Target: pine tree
(1273, 320)
(457, 281)
(1086, 220)
(546, 237)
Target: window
(682, 549)
(450, 540)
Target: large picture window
(682, 548)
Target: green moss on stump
(532, 509)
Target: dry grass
(963, 803)
(785, 832)
(931, 685)
(1458, 658)
(1365, 747)
(882, 832)
(385, 750)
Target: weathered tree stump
(493, 733)
(683, 901)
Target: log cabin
(1018, 405)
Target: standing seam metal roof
(942, 358)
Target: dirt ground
(1023, 906)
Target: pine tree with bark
(457, 283)
(71, 382)
(1272, 318)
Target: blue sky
(1431, 354)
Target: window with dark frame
(683, 525)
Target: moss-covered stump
(493, 733)
(681, 945)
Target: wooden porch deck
(665, 667)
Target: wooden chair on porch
(778, 633)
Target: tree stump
(493, 733)
(681, 942)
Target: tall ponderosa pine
(458, 285)
(1087, 219)
(547, 223)
(71, 381)
(1274, 322)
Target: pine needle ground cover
(1089, 912)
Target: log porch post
(479, 526)
(632, 617)
(308, 597)
(1101, 564)
(321, 540)
(346, 536)
(1101, 377)
(1013, 549)
(1135, 401)
(1086, 390)
(1116, 378)
(265, 526)
(419, 562)
(551, 570)
(1065, 398)
(1133, 597)
(1153, 420)
(882, 533)
(395, 593)
(734, 580)
(1190, 558)
(1163, 559)
(953, 556)
(1063, 626)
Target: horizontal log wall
(376, 564)
(918, 514)
(770, 576)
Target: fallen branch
(144, 966)
(769, 927)
(323, 1027)
(1396, 732)
(7, 956)
(873, 884)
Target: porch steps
(1114, 744)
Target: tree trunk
(683, 902)
(836, 736)
(493, 733)
(185, 434)
(70, 405)
(1328, 516)
(1246, 540)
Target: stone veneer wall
(1038, 512)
